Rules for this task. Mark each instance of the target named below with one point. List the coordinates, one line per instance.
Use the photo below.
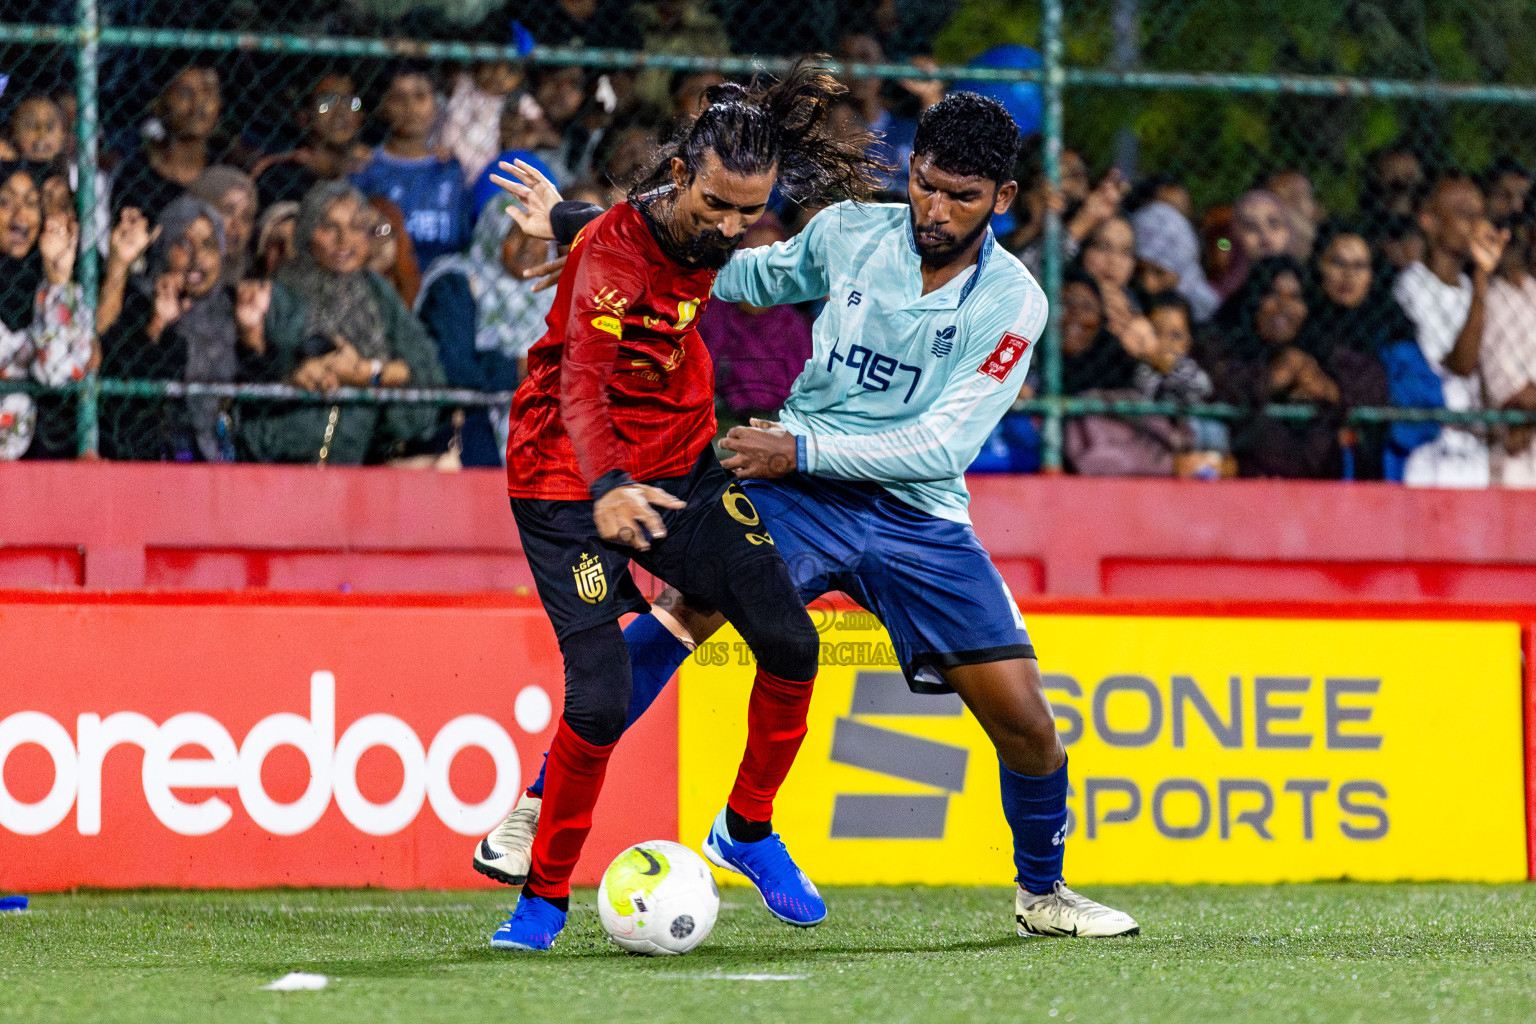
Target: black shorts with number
(716, 552)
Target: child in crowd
(428, 186)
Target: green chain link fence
(1199, 101)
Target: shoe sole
(495, 874)
(711, 855)
(1136, 930)
(509, 944)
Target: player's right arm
(784, 272)
(608, 282)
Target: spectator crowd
(370, 248)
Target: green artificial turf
(1228, 954)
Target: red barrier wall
(199, 705)
(127, 526)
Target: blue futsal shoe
(533, 925)
(787, 893)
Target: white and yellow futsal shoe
(1062, 913)
(507, 852)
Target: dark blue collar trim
(981, 264)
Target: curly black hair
(752, 128)
(969, 134)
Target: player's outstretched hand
(547, 273)
(628, 514)
(537, 194)
(762, 452)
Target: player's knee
(791, 652)
(597, 683)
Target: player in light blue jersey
(923, 344)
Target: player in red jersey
(610, 460)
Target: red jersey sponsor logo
(1003, 358)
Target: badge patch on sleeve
(1008, 352)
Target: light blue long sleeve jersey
(902, 388)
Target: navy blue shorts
(927, 579)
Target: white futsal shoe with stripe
(1062, 913)
(507, 852)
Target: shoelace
(517, 830)
(1060, 897)
(780, 870)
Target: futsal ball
(658, 898)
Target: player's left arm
(944, 439)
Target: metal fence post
(1051, 130)
(86, 120)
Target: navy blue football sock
(654, 657)
(1036, 809)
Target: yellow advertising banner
(1201, 750)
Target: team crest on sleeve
(591, 583)
(1008, 352)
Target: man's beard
(947, 249)
(707, 250)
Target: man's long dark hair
(783, 122)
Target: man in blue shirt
(920, 350)
(428, 188)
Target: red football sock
(775, 728)
(573, 777)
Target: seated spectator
(176, 145)
(1352, 309)
(1257, 357)
(1401, 242)
(429, 189)
(472, 115)
(1509, 353)
(330, 117)
(1507, 184)
(356, 332)
(1394, 178)
(1084, 210)
(605, 23)
(1167, 373)
(1303, 211)
(484, 317)
(39, 129)
(524, 128)
(274, 238)
(1261, 228)
(574, 116)
(1092, 358)
(1217, 251)
(1168, 258)
(1109, 256)
(233, 194)
(758, 351)
(1099, 346)
(182, 320)
(45, 324)
(390, 252)
(1446, 307)
(677, 27)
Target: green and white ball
(658, 898)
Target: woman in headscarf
(1257, 356)
(181, 321)
(1166, 247)
(233, 194)
(391, 253)
(45, 325)
(484, 316)
(1092, 358)
(356, 332)
(1261, 228)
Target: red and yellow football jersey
(621, 379)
